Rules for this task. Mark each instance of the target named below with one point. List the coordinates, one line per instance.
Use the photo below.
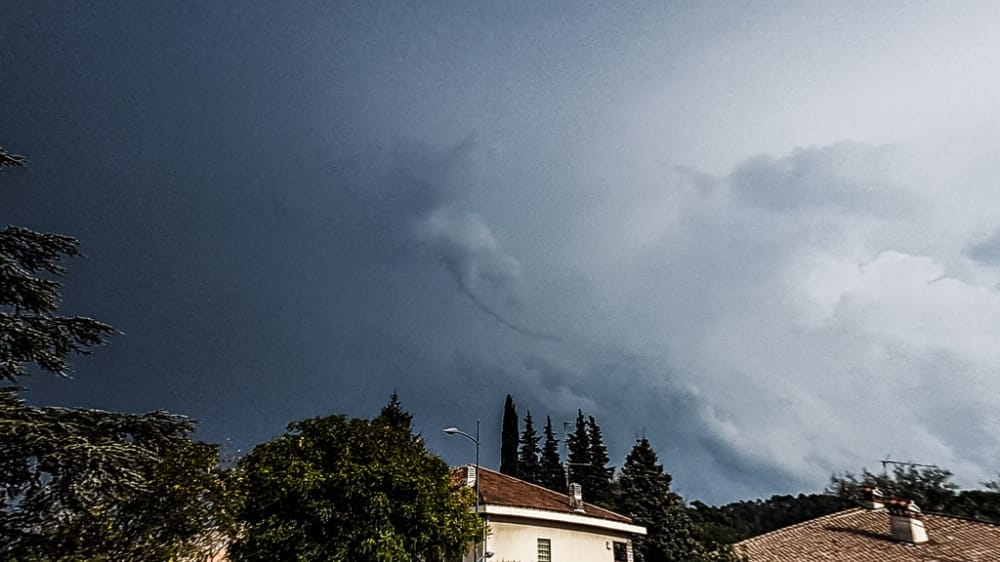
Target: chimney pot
(871, 498)
(906, 521)
(576, 497)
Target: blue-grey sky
(763, 234)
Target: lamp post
(456, 431)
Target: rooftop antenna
(888, 461)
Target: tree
(528, 458)
(598, 476)
(646, 498)
(672, 535)
(30, 330)
(578, 456)
(93, 485)
(550, 469)
(340, 489)
(82, 484)
(394, 414)
(508, 439)
(929, 486)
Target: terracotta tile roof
(862, 535)
(501, 489)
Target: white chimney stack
(907, 522)
(871, 498)
(576, 497)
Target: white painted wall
(513, 540)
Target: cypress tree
(528, 457)
(509, 438)
(550, 469)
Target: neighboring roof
(863, 535)
(503, 490)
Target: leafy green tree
(92, 485)
(528, 458)
(338, 489)
(550, 469)
(929, 486)
(509, 438)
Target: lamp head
(450, 430)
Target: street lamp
(456, 431)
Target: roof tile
(862, 535)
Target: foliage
(11, 160)
(95, 485)
(929, 486)
(550, 470)
(394, 414)
(336, 489)
(578, 452)
(508, 439)
(738, 520)
(598, 477)
(82, 484)
(672, 534)
(528, 458)
(30, 329)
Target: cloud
(765, 328)
(466, 246)
(986, 251)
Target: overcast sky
(763, 234)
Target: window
(621, 552)
(544, 550)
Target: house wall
(516, 540)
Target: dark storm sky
(711, 223)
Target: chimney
(871, 498)
(576, 497)
(906, 520)
(470, 476)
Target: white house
(529, 523)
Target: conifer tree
(550, 469)
(578, 457)
(31, 331)
(394, 414)
(598, 476)
(646, 497)
(509, 436)
(528, 456)
(83, 484)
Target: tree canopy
(96, 485)
(550, 469)
(31, 331)
(339, 489)
(82, 484)
(528, 456)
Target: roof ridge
(963, 518)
